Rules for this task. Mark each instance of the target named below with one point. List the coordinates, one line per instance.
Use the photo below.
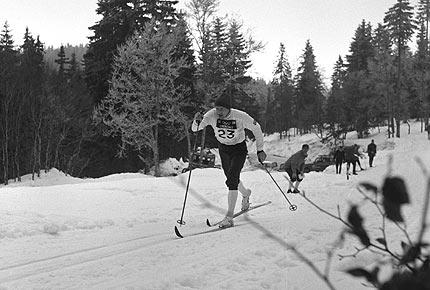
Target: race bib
(226, 129)
(226, 124)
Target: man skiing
(294, 166)
(229, 127)
(371, 151)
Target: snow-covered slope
(116, 232)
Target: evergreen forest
(125, 101)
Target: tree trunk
(389, 128)
(156, 153)
(57, 149)
(39, 148)
(398, 128)
(5, 148)
(399, 68)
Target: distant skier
(294, 166)
(371, 151)
(229, 126)
(351, 157)
(339, 157)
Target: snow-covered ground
(116, 232)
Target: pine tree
(238, 56)
(61, 60)
(218, 52)
(336, 100)
(8, 89)
(382, 75)
(400, 24)
(309, 92)
(120, 19)
(361, 48)
(424, 16)
(420, 106)
(283, 93)
(358, 97)
(6, 38)
(177, 128)
(424, 19)
(143, 94)
(33, 78)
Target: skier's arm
(200, 121)
(251, 124)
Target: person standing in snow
(229, 127)
(339, 157)
(294, 166)
(371, 151)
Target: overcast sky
(328, 24)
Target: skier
(294, 166)
(339, 157)
(371, 151)
(229, 127)
(352, 156)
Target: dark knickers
(290, 174)
(232, 160)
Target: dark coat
(339, 156)
(351, 154)
(371, 149)
(296, 162)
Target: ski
(179, 235)
(239, 213)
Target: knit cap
(224, 100)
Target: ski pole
(181, 221)
(292, 207)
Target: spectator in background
(371, 152)
(339, 157)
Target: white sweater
(231, 129)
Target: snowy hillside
(116, 232)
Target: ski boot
(227, 222)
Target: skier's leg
(228, 220)
(296, 186)
(297, 183)
(237, 159)
(290, 175)
(246, 192)
(232, 197)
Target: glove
(198, 117)
(261, 156)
